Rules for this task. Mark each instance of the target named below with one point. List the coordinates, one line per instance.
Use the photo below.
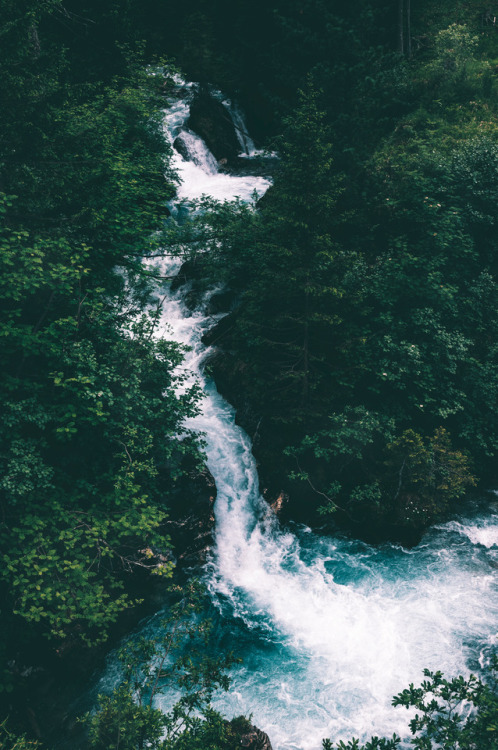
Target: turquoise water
(352, 625)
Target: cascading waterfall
(195, 151)
(199, 174)
(246, 143)
(328, 628)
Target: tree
(430, 476)
(88, 443)
(93, 441)
(282, 328)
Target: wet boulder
(189, 272)
(192, 148)
(214, 335)
(221, 302)
(180, 146)
(248, 735)
(212, 122)
(255, 739)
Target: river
(328, 628)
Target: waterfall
(329, 628)
(193, 149)
(199, 172)
(247, 146)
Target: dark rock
(248, 735)
(192, 299)
(261, 166)
(255, 739)
(221, 302)
(180, 146)
(219, 331)
(212, 122)
(189, 271)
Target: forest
(358, 342)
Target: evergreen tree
(290, 310)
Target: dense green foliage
(92, 439)
(367, 284)
(10, 741)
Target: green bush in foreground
(456, 714)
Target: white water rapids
(329, 628)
